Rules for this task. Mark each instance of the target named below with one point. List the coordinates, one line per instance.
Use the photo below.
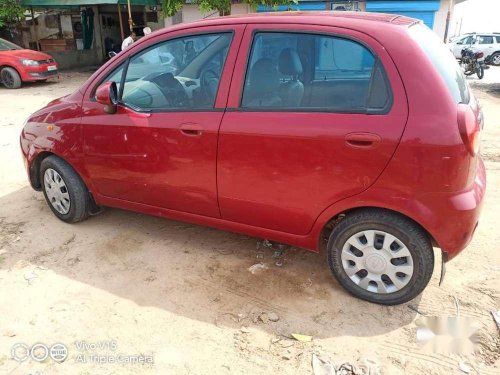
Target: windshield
(6, 45)
(443, 60)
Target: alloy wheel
(496, 59)
(7, 79)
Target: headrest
(289, 62)
(264, 76)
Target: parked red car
(18, 65)
(353, 131)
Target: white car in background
(489, 44)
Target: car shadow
(192, 271)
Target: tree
(10, 12)
(223, 6)
(170, 7)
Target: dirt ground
(127, 283)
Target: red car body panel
(283, 182)
(12, 58)
(309, 164)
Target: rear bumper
(460, 216)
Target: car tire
(64, 190)
(495, 59)
(10, 78)
(401, 269)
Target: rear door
(486, 44)
(313, 117)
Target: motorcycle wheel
(480, 72)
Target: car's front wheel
(495, 59)
(64, 191)
(380, 256)
(10, 78)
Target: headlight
(29, 62)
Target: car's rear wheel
(10, 78)
(380, 256)
(64, 191)
(495, 59)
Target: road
(183, 296)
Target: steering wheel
(172, 89)
(209, 82)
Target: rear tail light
(469, 127)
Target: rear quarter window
(443, 60)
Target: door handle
(362, 140)
(191, 129)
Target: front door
(463, 43)
(159, 149)
(313, 117)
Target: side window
(485, 39)
(310, 72)
(498, 39)
(469, 40)
(179, 74)
(338, 57)
(115, 76)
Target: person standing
(127, 42)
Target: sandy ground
(127, 283)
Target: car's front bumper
(41, 72)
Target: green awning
(79, 3)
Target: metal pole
(130, 21)
(448, 19)
(34, 28)
(121, 21)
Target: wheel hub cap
(377, 261)
(57, 192)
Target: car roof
(300, 17)
(476, 33)
(377, 25)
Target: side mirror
(107, 94)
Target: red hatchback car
(18, 65)
(352, 131)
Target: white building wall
(241, 9)
(440, 18)
(191, 12)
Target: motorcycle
(472, 62)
